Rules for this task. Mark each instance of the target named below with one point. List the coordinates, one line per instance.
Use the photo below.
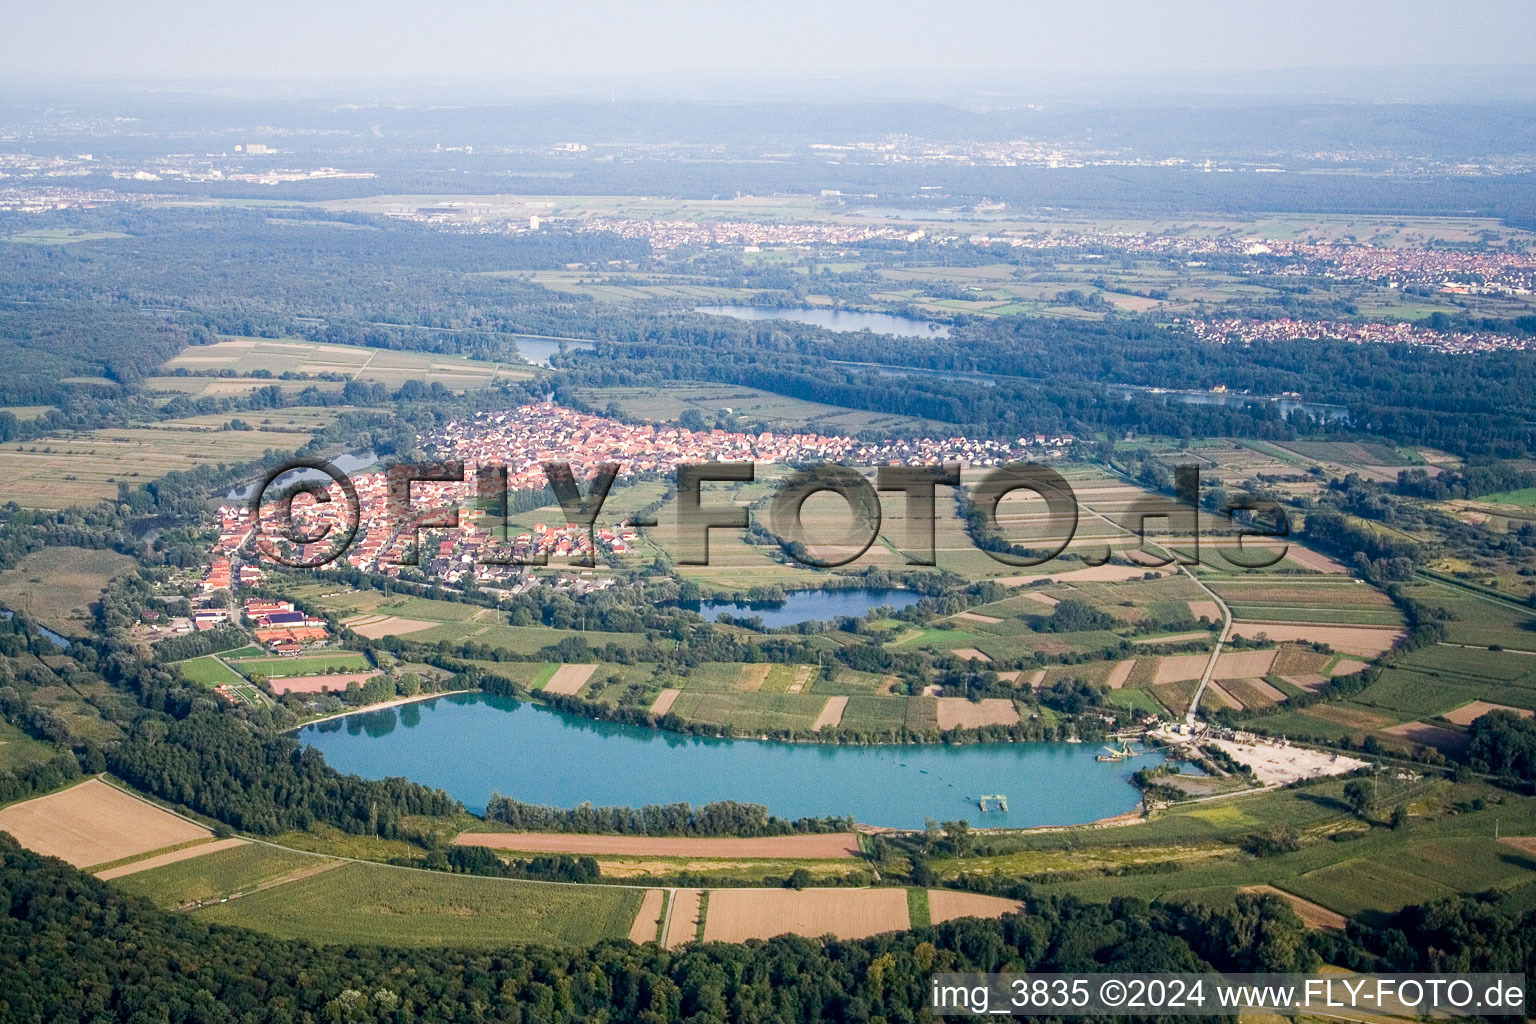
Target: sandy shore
(381, 706)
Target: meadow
(86, 466)
(389, 367)
(371, 904)
(57, 585)
(217, 875)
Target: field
(18, 750)
(217, 874)
(293, 355)
(340, 661)
(648, 920)
(370, 904)
(424, 620)
(734, 915)
(57, 585)
(335, 683)
(831, 845)
(753, 406)
(87, 466)
(210, 671)
(947, 904)
(94, 823)
(161, 860)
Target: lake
(474, 744)
(538, 350)
(836, 320)
(810, 605)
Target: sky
(778, 39)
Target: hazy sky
(766, 40)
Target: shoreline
(396, 702)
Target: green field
(369, 904)
(1525, 497)
(210, 671)
(216, 875)
(342, 661)
(18, 750)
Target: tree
(1357, 794)
(958, 833)
(1399, 816)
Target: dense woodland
(62, 940)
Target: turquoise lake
(810, 605)
(473, 745)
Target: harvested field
(739, 914)
(1361, 640)
(664, 700)
(1176, 638)
(684, 924)
(752, 677)
(1205, 610)
(812, 847)
(1120, 673)
(390, 626)
(958, 712)
(1309, 559)
(185, 853)
(1215, 694)
(1469, 713)
(569, 679)
(971, 654)
(318, 684)
(1180, 667)
(1253, 693)
(94, 823)
(652, 906)
(1243, 664)
(948, 904)
(1525, 844)
(1311, 914)
(1429, 735)
(1045, 599)
(973, 617)
(1346, 666)
(831, 713)
(1309, 681)
(1106, 573)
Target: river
(836, 320)
(474, 744)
